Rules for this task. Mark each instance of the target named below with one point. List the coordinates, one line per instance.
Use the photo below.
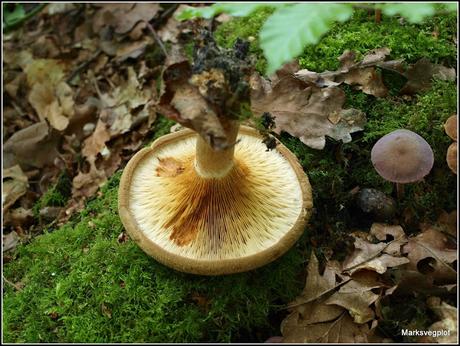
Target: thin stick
(83, 66)
(157, 39)
(11, 284)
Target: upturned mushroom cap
(450, 126)
(402, 156)
(214, 226)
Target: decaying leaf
(304, 110)
(127, 104)
(123, 17)
(447, 327)
(432, 254)
(50, 96)
(321, 315)
(15, 184)
(419, 76)
(356, 296)
(9, 241)
(33, 146)
(208, 95)
(95, 143)
(361, 74)
(377, 257)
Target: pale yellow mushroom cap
(214, 226)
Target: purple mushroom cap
(402, 156)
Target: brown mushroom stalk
(211, 163)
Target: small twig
(83, 66)
(17, 287)
(157, 39)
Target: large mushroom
(402, 157)
(216, 202)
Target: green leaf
(451, 7)
(414, 13)
(15, 16)
(286, 33)
(237, 10)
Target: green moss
(56, 196)
(245, 28)
(406, 41)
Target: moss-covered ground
(78, 283)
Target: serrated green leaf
(12, 17)
(286, 33)
(414, 13)
(237, 10)
(451, 6)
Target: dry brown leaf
(86, 184)
(123, 17)
(203, 100)
(420, 75)
(120, 103)
(317, 285)
(432, 254)
(362, 74)
(356, 296)
(132, 49)
(32, 146)
(305, 111)
(15, 184)
(447, 324)
(53, 103)
(373, 256)
(95, 143)
(9, 241)
(390, 233)
(448, 222)
(340, 330)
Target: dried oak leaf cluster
(343, 304)
(80, 97)
(309, 105)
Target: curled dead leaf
(432, 253)
(33, 146)
(15, 184)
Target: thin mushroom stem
(399, 191)
(210, 163)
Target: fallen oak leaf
(431, 253)
(356, 296)
(318, 285)
(372, 256)
(305, 111)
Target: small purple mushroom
(402, 156)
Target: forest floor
(81, 85)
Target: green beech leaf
(286, 33)
(413, 12)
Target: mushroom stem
(399, 191)
(210, 163)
